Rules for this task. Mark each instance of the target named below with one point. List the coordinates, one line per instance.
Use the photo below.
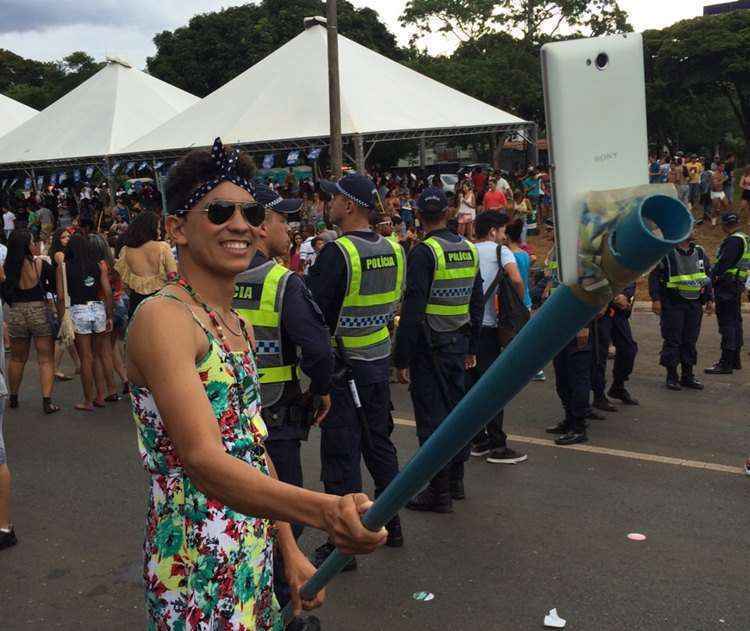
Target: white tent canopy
(282, 102)
(98, 118)
(13, 114)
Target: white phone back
(596, 128)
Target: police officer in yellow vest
(438, 336)
(358, 282)
(284, 317)
(728, 277)
(680, 287)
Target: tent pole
(534, 144)
(359, 154)
(334, 89)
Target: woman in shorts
(28, 279)
(88, 283)
(467, 210)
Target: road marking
(618, 453)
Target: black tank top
(83, 285)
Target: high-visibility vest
(742, 267)
(686, 273)
(552, 269)
(456, 267)
(258, 298)
(393, 239)
(375, 284)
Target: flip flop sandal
(113, 398)
(61, 377)
(49, 407)
(99, 405)
(84, 408)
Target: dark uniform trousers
(680, 329)
(573, 383)
(283, 446)
(342, 444)
(728, 297)
(489, 351)
(434, 394)
(615, 329)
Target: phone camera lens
(602, 61)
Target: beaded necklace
(240, 367)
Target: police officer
(438, 336)
(284, 317)
(614, 326)
(728, 278)
(358, 281)
(679, 287)
(573, 384)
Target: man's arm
(327, 282)
(419, 270)
(729, 255)
(476, 313)
(302, 321)
(655, 282)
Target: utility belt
(294, 413)
(445, 340)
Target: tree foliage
(535, 21)
(700, 67)
(216, 47)
(40, 83)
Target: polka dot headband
(226, 163)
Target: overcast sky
(50, 29)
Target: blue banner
(129, 167)
(89, 172)
(77, 175)
(115, 166)
(27, 184)
(144, 165)
(63, 177)
(314, 153)
(53, 179)
(158, 165)
(39, 182)
(268, 161)
(292, 158)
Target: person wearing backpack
(495, 260)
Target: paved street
(551, 532)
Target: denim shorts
(88, 318)
(120, 313)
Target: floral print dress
(206, 567)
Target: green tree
(216, 47)
(37, 83)
(535, 20)
(703, 62)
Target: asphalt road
(551, 532)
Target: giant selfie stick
(637, 241)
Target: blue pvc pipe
(562, 316)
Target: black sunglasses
(220, 211)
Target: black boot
(673, 380)
(436, 498)
(688, 379)
(724, 366)
(604, 404)
(395, 534)
(310, 623)
(737, 363)
(457, 490)
(618, 391)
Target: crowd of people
(236, 288)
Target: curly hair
(196, 168)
